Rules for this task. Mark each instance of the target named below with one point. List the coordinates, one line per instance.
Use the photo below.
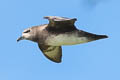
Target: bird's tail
(96, 37)
(91, 36)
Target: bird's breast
(65, 39)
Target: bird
(58, 32)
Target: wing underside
(54, 53)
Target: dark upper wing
(61, 24)
(54, 53)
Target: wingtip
(56, 61)
(75, 19)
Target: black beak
(20, 38)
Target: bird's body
(67, 38)
(60, 31)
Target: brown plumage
(60, 31)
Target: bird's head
(27, 34)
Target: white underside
(65, 39)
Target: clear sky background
(97, 60)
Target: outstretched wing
(54, 53)
(60, 24)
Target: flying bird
(59, 31)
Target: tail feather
(96, 37)
(91, 36)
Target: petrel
(60, 31)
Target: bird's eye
(26, 31)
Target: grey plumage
(60, 31)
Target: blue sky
(98, 60)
